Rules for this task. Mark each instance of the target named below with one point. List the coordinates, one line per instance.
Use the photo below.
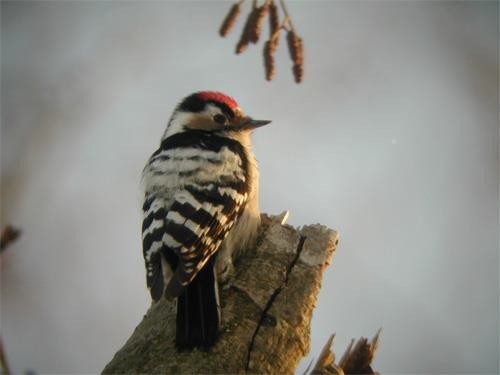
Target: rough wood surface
(357, 358)
(266, 311)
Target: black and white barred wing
(153, 239)
(195, 226)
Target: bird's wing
(196, 224)
(153, 235)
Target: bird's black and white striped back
(196, 187)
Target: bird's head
(211, 112)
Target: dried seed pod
(247, 31)
(230, 19)
(260, 16)
(274, 19)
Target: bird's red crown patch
(218, 97)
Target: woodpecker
(201, 208)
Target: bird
(200, 211)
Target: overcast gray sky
(392, 139)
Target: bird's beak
(250, 124)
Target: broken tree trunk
(357, 358)
(266, 311)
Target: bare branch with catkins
(252, 31)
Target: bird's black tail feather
(198, 311)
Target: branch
(266, 311)
(4, 364)
(9, 235)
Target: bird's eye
(220, 119)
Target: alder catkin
(252, 31)
(247, 31)
(269, 61)
(258, 25)
(294, 46)
(298, 72)
(230, 19)
(269, 50)
(274, 19)
(296, 49)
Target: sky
(392, 139)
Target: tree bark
(266, 311)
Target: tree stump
(266, 311)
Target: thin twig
(287, 15)
(4, 365)
(286, 21)
(9, 235)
